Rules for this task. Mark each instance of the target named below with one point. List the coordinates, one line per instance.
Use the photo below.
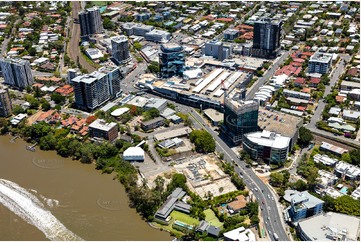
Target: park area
(212, 219)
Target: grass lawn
(177, 233)
(185, 218)
(99, 3)
(212, 219)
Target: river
(44, 196)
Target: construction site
(205, 177)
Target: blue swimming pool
(344, 190)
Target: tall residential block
(5, 103)
(16, 72)
(266, 38)
(240, 117)
(120, 49)
(171, 60)
(217, 50)
(94, 89)
(320, 63)
(90, 21)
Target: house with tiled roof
(299, 82)
(45, 116)
(65, 90)
(237, 205)
(314, 82)
(340, 99)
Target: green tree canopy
(305, 136)
(57, 98)
(203, 141)
(276, 179)
(347, 205)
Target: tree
(203, 141)
(32, 51)
(305, 136)
(137, 45)
(108, 24)
(276, 179)
(18, 109)
(153, 67)
(299, 185)
(48, 142)
(355, 156)
(57, 98)
(347, 205)
(45, 106)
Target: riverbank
(91, 205)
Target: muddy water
(62, 199)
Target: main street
(269, 73)
(268, 204)
(336, 73)
(7, 40)
(261, 191)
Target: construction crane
(225, 90)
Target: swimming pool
(344, 190)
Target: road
(128, 82)
(333, 80)
(61, 61)
(7, 40)
(73, 47)
(41, 74)
(269, 73)
(261, 191)
(317, 115)
(264, 196)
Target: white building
(133, 154)
(347, 171)
(267, 145)
(240, 234)
(329, 227)
(325, 159)
(94, 53)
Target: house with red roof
(314, 82)
(226, 20)
(340, 99)
(299, 82)
(65, 90)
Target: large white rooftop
(269, 139)
(330, 226)
(102, 125)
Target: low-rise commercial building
(159, 36)
(240, 234)
(332, 148)
(157, 103)
(152, 124)
(215, 116)
(133, 154)
(329, 227)
(101, 129)
(266, 145)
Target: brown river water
(63, 199)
